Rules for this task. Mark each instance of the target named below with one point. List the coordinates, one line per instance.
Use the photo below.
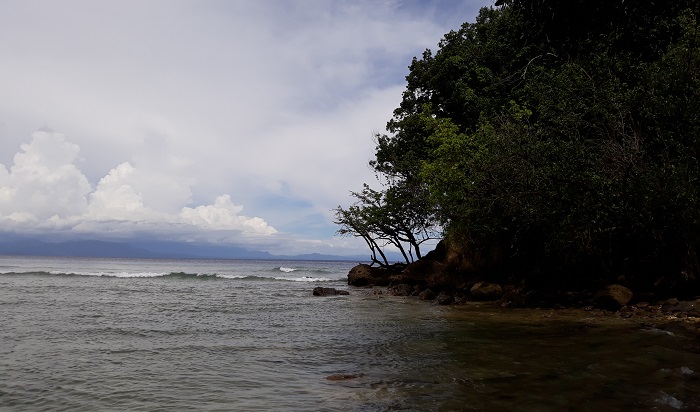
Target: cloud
(115, 197)
(175, 104)
(43, 181)
(127, 191)
(44, 189)
(223, 214)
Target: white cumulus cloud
(44, 189)
(43, 181)
(223, 214)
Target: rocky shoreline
(425, 280)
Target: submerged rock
(321, 291)
(612, 297)
(341, 377)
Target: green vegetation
(394, 217)
(565, 134)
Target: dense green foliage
(566, 133)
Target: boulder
(445, 299)
(612, 297)
(485, 291)
(366, 275)
(361, 275)
(694, 312)
(321, 291)
(401, 289)
(421, 268)
(671, 302)
(426, 295)
(691, 308)
(438, 253)
(420, 272)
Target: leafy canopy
(565, 132)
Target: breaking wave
(174, 275)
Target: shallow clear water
(117, 334)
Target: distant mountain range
(154, 249)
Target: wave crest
(180, 275)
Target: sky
(240, 122)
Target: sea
(91, 334)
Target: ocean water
(85, 334)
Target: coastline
(655, 318)
(506, 302)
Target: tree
(392, 217)
(572, 146)
(353, 221)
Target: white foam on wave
(305, 279)
(672, 401)
(114, 274)
(286, 269)
(137, 275)
(226, 276)
(687, 371)
(193, 275)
